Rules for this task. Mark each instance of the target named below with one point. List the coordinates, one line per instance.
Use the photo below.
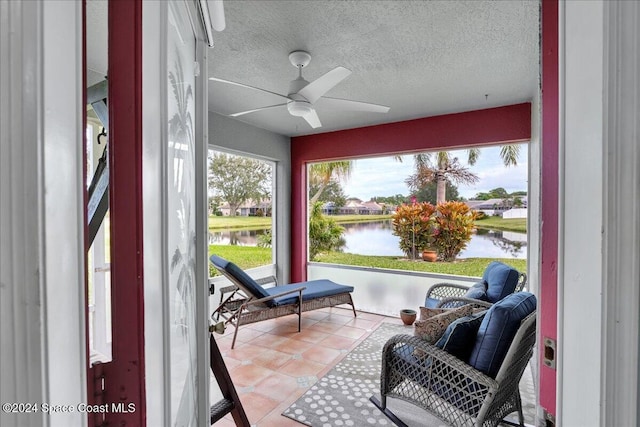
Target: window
(352, 205)
(99, 263)
(241, 209)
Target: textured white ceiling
(96, 41)
(421, 58)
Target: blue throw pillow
(497, 330)
(477, 291)
(501, 280)
(460, 336)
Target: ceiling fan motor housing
(299, 108)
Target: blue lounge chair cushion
(497, 330)
(256, 290)
(313, 289)
(501, 280)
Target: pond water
(376, 238)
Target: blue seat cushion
(497, 330)
(477, 291)
(460, 336)
(501, 280)
(314, 289)
(254, 288)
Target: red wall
(548, 298)
(510, 124)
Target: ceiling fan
(303, 95)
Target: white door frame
(42, 292)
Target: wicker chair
(451, 389)
(252, 303)
(448, 295)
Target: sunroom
(440, 99)
(558, 77)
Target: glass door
(181, 224)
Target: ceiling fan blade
(312, 118)
(242, 113)
(215, 79)
(323, 84)
(346, 104)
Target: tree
(214, 205)
(498, 193)
(428, 193)
(441, 166)
(320, 175)
(238, 179)
(396, 200)
(325, 234)
(332, 192)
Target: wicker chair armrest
(453, 302)
(443, 366)
(522, 282)
(445, 290)
(270, 297)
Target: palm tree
(441, 166)
(320, 174)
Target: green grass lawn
(496, 223)
(249, 257)
(463, 267)
(244, 256)
(255, 222)
(239, 222)
(341, 219)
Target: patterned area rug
(341, 398)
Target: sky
(384, 176)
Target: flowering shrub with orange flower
(414, 225)
(454, 222)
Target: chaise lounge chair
(268, 303)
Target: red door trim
(124, 376)
(548, 298)
(510, 124)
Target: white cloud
(385, 176)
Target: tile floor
(272, 364)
